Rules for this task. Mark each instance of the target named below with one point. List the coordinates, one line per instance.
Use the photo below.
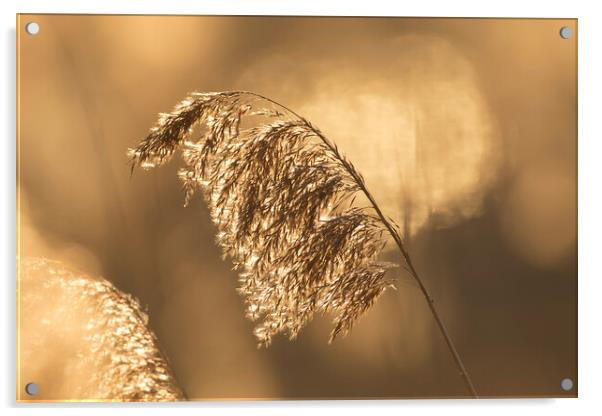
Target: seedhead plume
(282, 198)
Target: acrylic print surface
(216, 208)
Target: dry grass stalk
(283, 199)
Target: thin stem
(406, 256)
(429, 299)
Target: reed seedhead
(114, 355)
(282, 197)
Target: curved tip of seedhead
(263, 338)
(132, 156)
(263, 344)
(145, 160)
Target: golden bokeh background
(466, 132)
